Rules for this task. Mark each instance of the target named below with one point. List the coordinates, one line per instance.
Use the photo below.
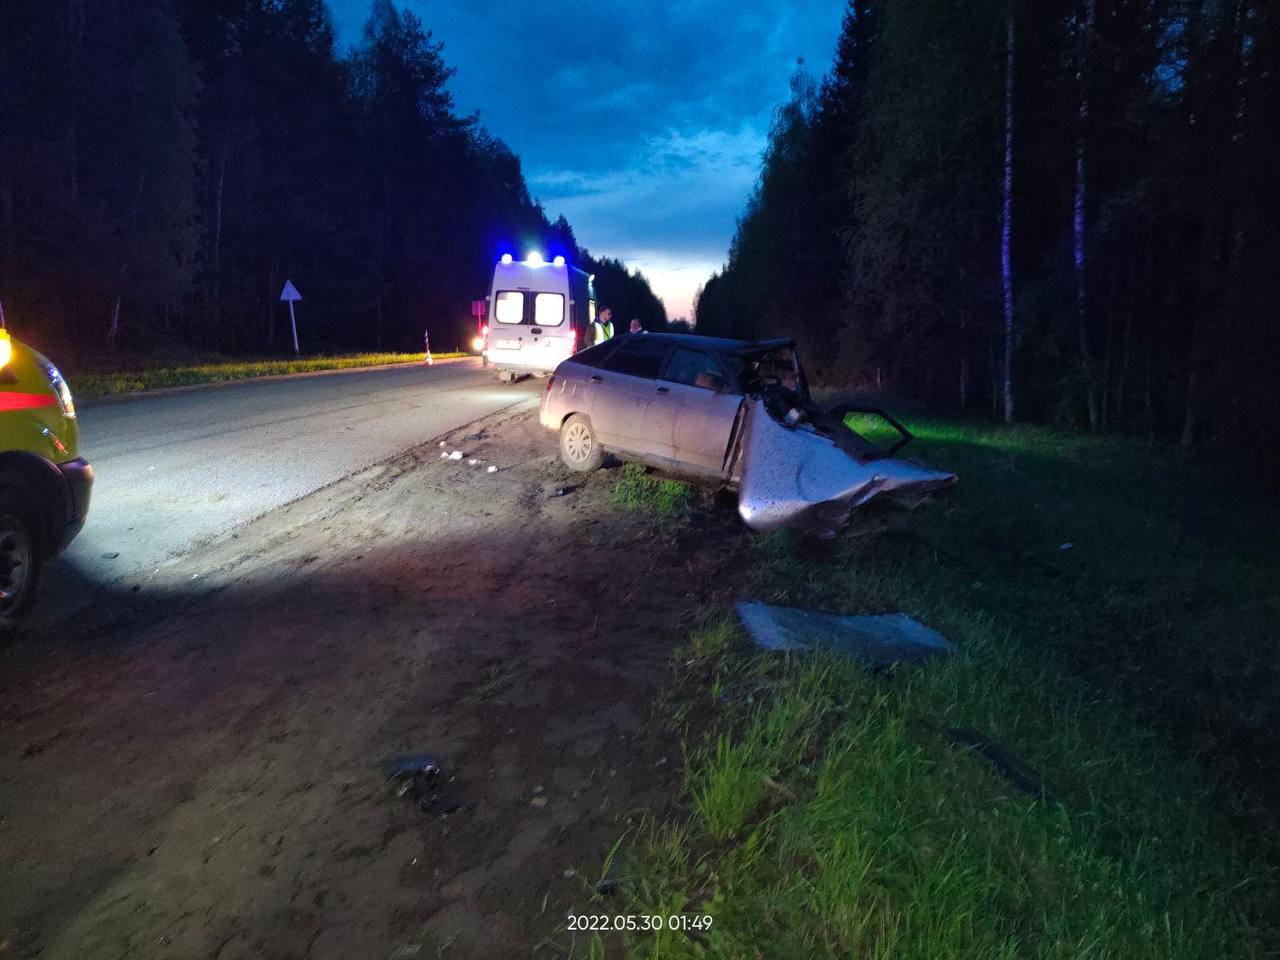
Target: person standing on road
(636, 326)
(602, 325)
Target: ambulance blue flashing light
(506, 258)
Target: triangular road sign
(290, 292)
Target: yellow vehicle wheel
(21, 561)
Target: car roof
(719, 344)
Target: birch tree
(1006, 226)
(1078, 247)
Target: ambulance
(44, 482)
(540, 313)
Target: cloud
(642, 123)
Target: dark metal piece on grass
(1007, 764)
(877, 641)
(608, 885)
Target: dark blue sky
(642, 123)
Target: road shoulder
(215, 756)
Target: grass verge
(97, 383)
(1116, 616)
(635, 489)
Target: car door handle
(596, 378)
(664, 389)
(536, 331)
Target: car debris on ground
(418, 777)
(1008, 765)
(876, 641)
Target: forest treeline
(1053, 210)
(165, 165)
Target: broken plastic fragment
(456, 455)
(877, 641)
(492, 469)
(410, 766)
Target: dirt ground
(192, 769)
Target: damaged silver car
(734, 413)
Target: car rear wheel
(21, 562)
(579, 448)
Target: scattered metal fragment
(472, 437)
(1007, 764)
(877, 641)
(418, 776)
(608, 885)
(399, 768)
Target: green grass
(635, 489)
(100, 383)
(1134, 671)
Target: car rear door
(621, 391)
(696, 410)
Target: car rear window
(640, 357)
(596, 356)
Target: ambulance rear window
(548, 309)
(508, 306)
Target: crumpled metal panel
(793, 477)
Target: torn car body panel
(797, 476)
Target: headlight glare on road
(61, 391)
(477, 344)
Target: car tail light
(550, 380)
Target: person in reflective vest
(602, 326)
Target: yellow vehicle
(44, 482)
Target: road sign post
(291, 295)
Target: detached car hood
(801, 477)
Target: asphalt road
(174, 471)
